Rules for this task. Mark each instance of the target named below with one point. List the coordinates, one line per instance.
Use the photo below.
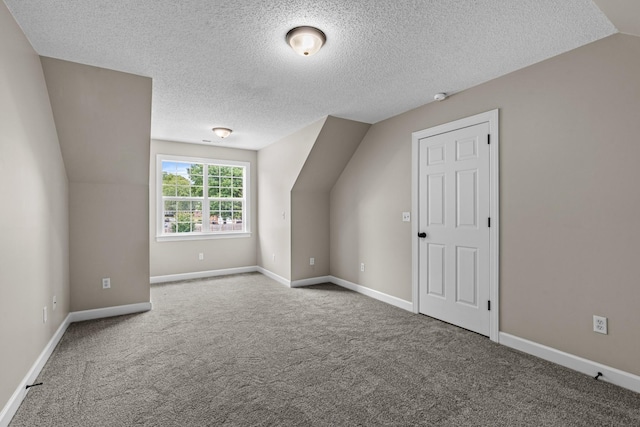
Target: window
(201, 198)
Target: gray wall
(569, 200)
(34, 248)
(182, 256)
(334, 146)
(296, 175)
(279, 167)
(103, 119)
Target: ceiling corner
(623, 14)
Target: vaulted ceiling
(219, 63)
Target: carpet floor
(244, 350)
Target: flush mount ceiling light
(440, 96)
(306, 41)
(222, 132)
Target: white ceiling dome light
(306, 41)
(222, 132)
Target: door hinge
(489, 222)
(488, 138)
(489, 305)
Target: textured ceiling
(223, 63)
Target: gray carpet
(244, 350)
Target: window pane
(186, 219)
(194, 170)
(169, 216)
(214, 216)
(168, 190)
(225, 215)
(197, 216)
(185, 179)
(183, 222)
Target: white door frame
(492, 118)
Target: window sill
(202, 236)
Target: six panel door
(454, 213)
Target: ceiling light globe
(222, 132)
(306, 41)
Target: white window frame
(161, 236)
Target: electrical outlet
(312, 261)
(106, 283)
(406, 216)
(600, 324)
(273, 256)
(362, 266)
(44, 315)
(200, 256)
(55, 302)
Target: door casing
(490, 117)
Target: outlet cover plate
(600, 324)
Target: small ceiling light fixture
(222, 132)
(440, 96)
(306, 41)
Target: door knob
(422, 235)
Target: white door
(454, 210)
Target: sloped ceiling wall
(624, 14)
(103, 119)
(310, 227)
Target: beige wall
(34, 248)
(569, 200)
(182, 256)
(296, 175)
(309, 234)
(334, 146)
(279, 167)
(103, 119)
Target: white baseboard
(101, 313)
(380, 296)
(202, 274)
(585, 366)
(18, 396)
(274, 276)
(295, 283)
(311, 281)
